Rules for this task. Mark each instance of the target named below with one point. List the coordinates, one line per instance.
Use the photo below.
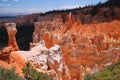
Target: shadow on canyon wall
(23, 36)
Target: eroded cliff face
(47, 60)
(86, 48)
(11, 30)
(69, 51)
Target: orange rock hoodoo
(11, 30)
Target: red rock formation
(5, 54)
(11, 30)
(70, 22)
(18, 61)
(14, 60)
(85, 49)
(85, 45)
(36, 34)
(48, 39)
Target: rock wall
(11, 30)
(48, 60)
(70, 54)
(86, 48)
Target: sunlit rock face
(48, 39)
(5, 54)
(49, 60)
(70, 52)
(44, 31)
(11, 30)
(89, 48)
(85, 48)
(36, 34)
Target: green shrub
(9, 74)
(88, 77)
(109, 73)
(31, 74)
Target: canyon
(69, 52)
(64, 45)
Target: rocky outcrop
(49, 60)
(5, 54)
(70, 51)
(11, 30)
(12, 45)
(84, 47)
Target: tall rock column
(36, 34)
(11, 30)
(70, 22)
(48, 39)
